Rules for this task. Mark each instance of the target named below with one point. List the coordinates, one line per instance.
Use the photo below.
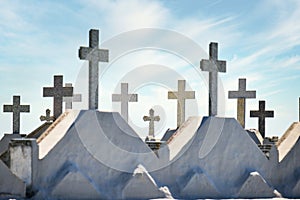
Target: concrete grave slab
(255, 187)
(75, 186)
(141, 186)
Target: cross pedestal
(124, 98)
(181, 95)
(213, 66)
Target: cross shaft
(16, 109)
(262, 114)
(213, 66)
(181, 95)
(241, 95)
(57, 92)
(151, 118)
(94, 55)
(69, 100)
(124, 98)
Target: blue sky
(258, 39)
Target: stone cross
(57, 92)
(47, 118)
(16, 109)
(94, 55)
(213, 66)
(241, 95)
(69, 100)
(151, 118)
(261, 114)
(124, 98)
(181, 95)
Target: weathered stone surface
(151, 118)
(23, 159)
(57, 92)
(10, 184)
(124, 98)
(255, 187)
(94, 55)
(69, 100)
(75, 186)
(213, 66)
(241, 95)
(5, 140)
(262, 114)
(181, 95)
(16, 109)
(141, 186)
(199, 186)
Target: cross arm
(103, 55)
(146, 118)
(68, 91)
(156, 118)
(213, 66)
(190, 95)
(133, 98)
(269, 113)
(7, 108)
(241, 94)
(77, 98)
(48, 92)
(172, 95)
(84, 52)
(25, 108)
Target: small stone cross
(241, 95)
(57, 92)
(94, 55)
(261, 114)
(181, 95)
(16, 109)
(213, 66)
(124, 98)
(151, 118)
(47, 118)
(69, 100)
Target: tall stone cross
(262, 114)
(16, 109)
(94, 55)
(213, 66)
(241, 95)
(151, 118)
(181, 95)
(69, 100)
(47, 118)
(124, 98)
(57, 92)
